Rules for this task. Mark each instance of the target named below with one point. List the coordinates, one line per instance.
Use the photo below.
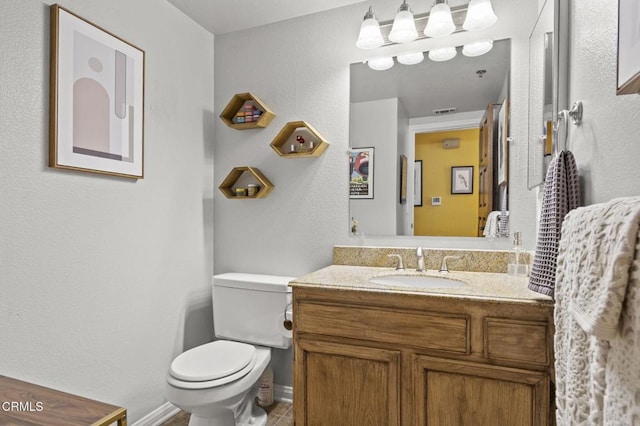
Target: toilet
(217, 382)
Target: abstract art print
(96, 99)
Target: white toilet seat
(212, 364)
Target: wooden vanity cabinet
(367, 358)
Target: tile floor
(280, 414)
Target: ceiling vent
(443, 111)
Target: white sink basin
(423, 281)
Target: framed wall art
(361, 173)
(403, 179)
(628, 47)
(417, 184)
(503, 145)
(96, 99)
(462, 180)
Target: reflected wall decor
(403, 179)
(503, 142)
(417, 184)
(361, 173)
(462, 180)
(96, 99)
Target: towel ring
(576, 117)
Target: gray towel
(561, 195)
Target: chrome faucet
(420, 256)
(443, 267)
(400, 265)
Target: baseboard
(158, 416)
(283, 393)
(168, 410)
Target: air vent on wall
(443, 111)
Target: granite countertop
(480, 285)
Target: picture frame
(628, 61)
(361, 173)
(417, 184)
(96, 101)
(403, 179)
(503, 143)
(462, 180)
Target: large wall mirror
(420, 126)
(547, 87)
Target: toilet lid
(212, 361)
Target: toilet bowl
(217, 382)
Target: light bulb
(370, 36)
(381, 63)
(440, 22)
(443, 54)
(480, 15)
(404, 27)
(410, 58)
(477, 48)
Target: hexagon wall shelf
(299, 139)
(242, 175)
(244, 107)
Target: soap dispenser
(516, 266)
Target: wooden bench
(23, 403)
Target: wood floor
(280, 414)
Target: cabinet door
(337, 384)
(457, 393)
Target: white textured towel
(598, 277)
(600, 285)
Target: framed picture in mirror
(503, 139)
(361, 173)
(417, 184)
(462, 180)
(403, 179)
(628, 47)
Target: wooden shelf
(240, 177)
(292, 134)
(238, 103)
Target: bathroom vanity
(377, 354)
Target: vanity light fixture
(440, 21)
(477, 48)
(404, 27)
(370, 36)
(480, 15)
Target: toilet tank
(250, 308)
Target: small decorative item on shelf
(249, 113)
(252, 189)
(302, 138)
(246, 111)
(245, 182)
(301, 141)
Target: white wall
(300, 68)
(375, 124)
(607, 144)
(103, 280)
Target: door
(458, 393)
(338, 384)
